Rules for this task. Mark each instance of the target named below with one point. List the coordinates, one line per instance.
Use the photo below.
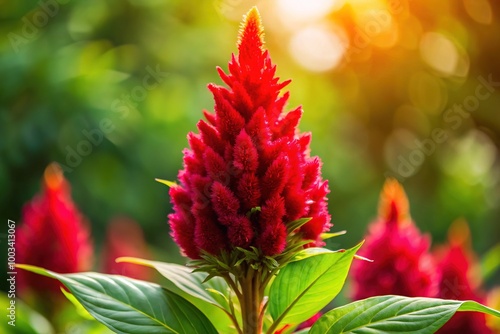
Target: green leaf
(253, 210)
(130, 306)
(80, 310)
(169, 184)
(292, 226)
(325, 236)
(394, 314)
(312, 251)
(211, 297)
(186, 280)
(304, 287)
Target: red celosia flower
(248, 155)
(306, 324)
(309, 322)
(402, 265)
(456, 274)
(124, 237)
(54, 234)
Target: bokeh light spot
(471, 158)
(479, 10)
(439, 53)
(299, 11)
(427, 92)
(317, 48)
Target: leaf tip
(359, 257)
(134, 260)
(169, 184)
(36, 270)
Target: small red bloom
(54, 235)
(124, 237)
(401, 262)
(306, 324)
(248, 155)
(456, 273)
(310, 322)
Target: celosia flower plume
(248, 172)
(456, 269)
(401, 262)
(53, 234)
(124, 237)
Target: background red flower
(459, 279)
(53, 235)
(402, 264)
(124, 237)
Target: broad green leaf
(130, 306)
(188, 281)
(80, 310)
(312, 251)
(394, 314)
(304, 287)
(210, 297)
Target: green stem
(233, 285)
(231, 314)
(233, 320)
(251, 301)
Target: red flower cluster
(402, 264)
(53, 235)
(455, 265)
(124, 237)
(248, 172)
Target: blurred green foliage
(77, 88)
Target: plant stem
(232, 315)
(252, 295)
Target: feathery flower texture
(402, 264)
(53, 234)
(248, 172)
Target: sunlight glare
(299, 11)
(317, 48)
